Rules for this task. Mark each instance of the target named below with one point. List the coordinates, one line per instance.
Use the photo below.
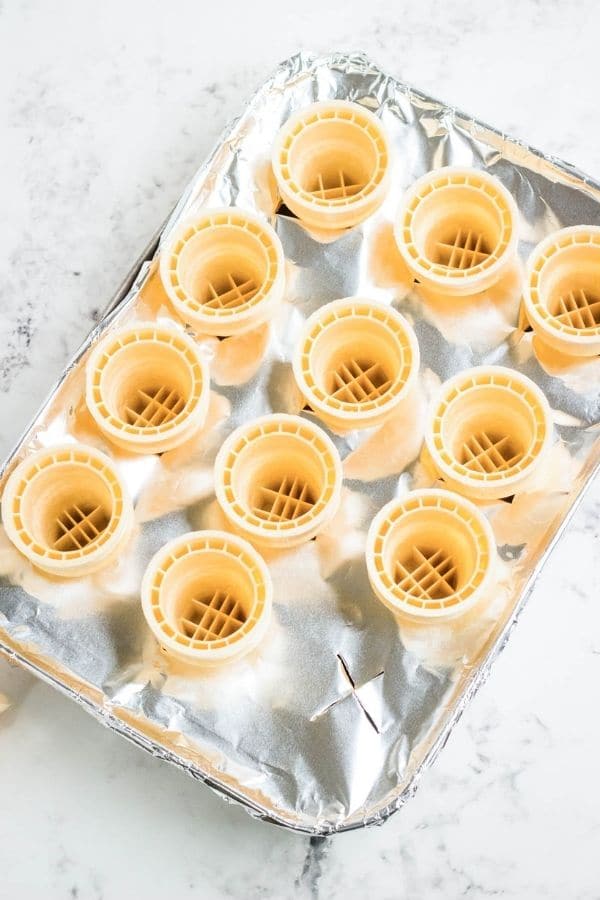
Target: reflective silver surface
(329, 725)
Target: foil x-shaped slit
(367, 696)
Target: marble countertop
(107, 110)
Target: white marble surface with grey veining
(106, 110)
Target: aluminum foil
(329, 725)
